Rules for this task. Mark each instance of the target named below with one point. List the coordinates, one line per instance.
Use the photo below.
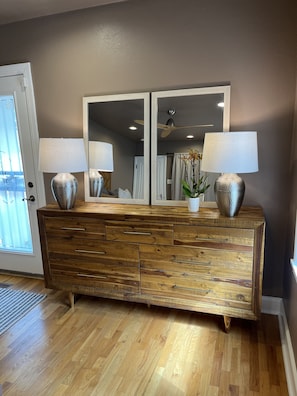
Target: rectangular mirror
(117, 138)
(179, 120)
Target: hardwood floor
(112, 348)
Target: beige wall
(162, 44)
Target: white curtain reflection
(15, 233)
(138, 187)
(181, 170)
(138, 176)
(161, 176)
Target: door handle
(31, 198)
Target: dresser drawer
(135, 232)
(236, 239)
(220, 277)
(107, 273)
(75, 227)
(91, 248)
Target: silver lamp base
(96, 183)
(229, 189)
(64, 189)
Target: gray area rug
(4, 285)
(14, 304)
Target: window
(15, 233)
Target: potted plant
(197, 184)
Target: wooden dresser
(157, 255)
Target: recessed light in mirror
(221, 104)
(190, 136)
(133, 128)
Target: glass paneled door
(21, 185)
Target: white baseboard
(272, 305)
(275, 306)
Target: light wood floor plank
(114, 348)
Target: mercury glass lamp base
(229, 189)
(64, 189)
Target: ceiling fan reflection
(170, 126)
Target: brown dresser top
(248, 216)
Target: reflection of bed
(122, 192)
(117, 193)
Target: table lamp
(230, 153)
(62, 156)
(100, 159)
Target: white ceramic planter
(193, 204)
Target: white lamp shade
(59, 155)
(230, 152)
(101, 156)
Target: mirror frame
(225, 89)
(145, 96)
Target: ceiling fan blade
(159, 126)
(140, 122)
(194, 126)
(167, 131)
(162, 126)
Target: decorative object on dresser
(194, 184)
(157, 255)
(230, 153)
(193, 204)
(61, 156)
(100, 159)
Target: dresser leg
(71, 300)
(227, 323)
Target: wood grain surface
(111, 348)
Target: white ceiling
(20, 10)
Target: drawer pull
(92, 276)
(90, 251)
(137, 233)
(73, 228)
